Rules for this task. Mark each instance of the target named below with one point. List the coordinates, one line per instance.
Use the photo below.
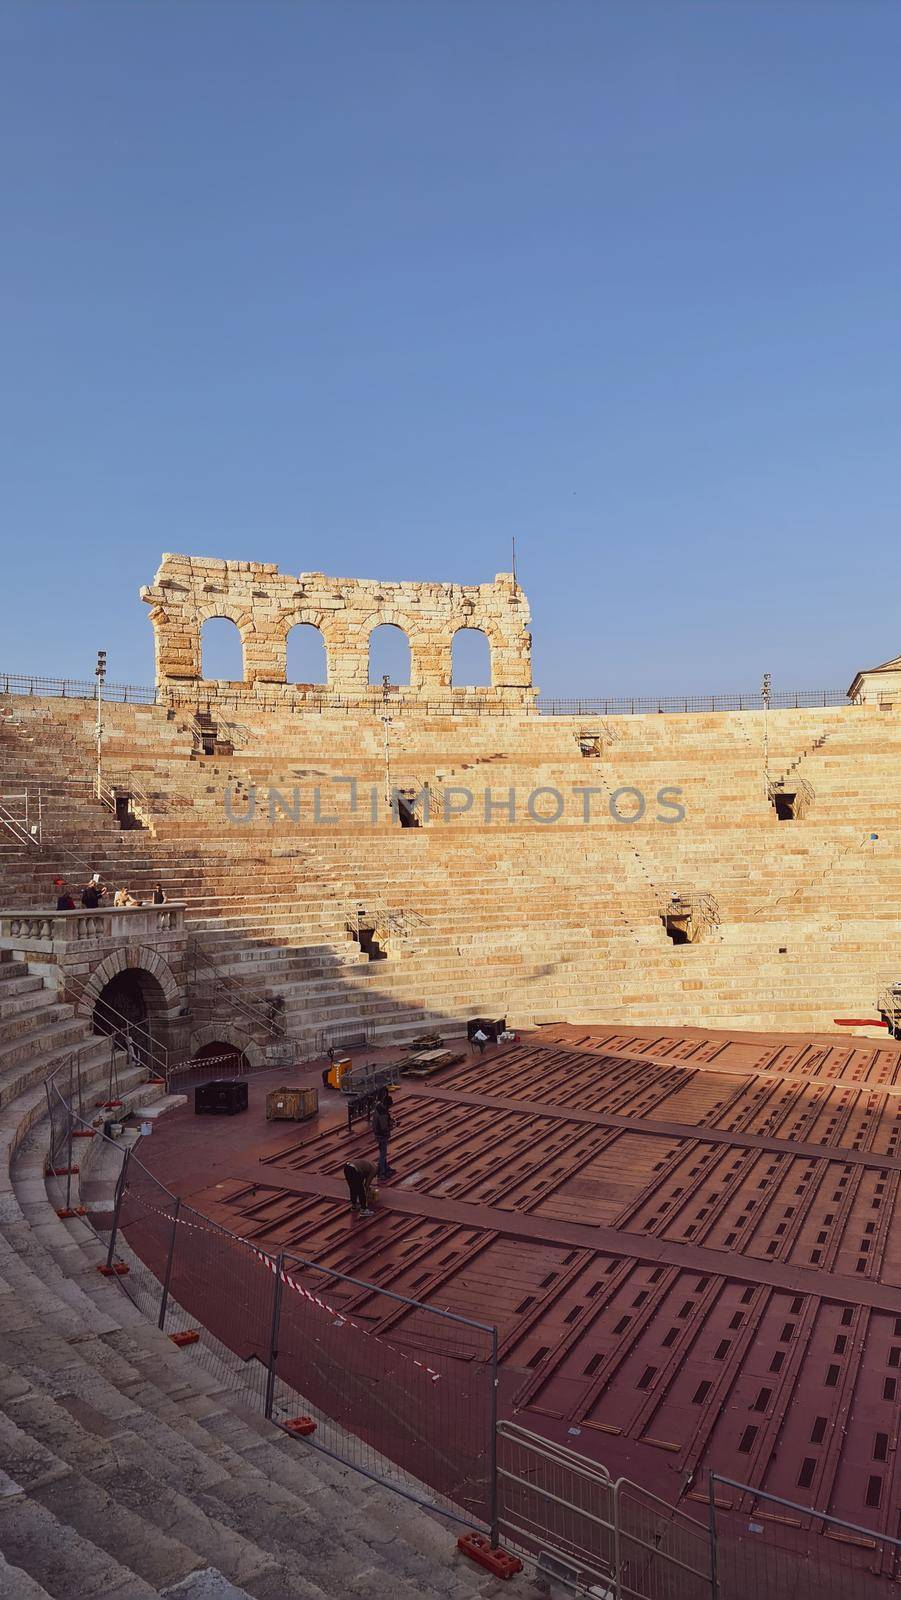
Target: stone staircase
(128, 1471)
(537, 921)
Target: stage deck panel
(687, 1243)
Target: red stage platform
(686, 1241)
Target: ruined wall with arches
(266, 604)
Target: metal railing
(407, 1394)
(200, 696)
(267, 1016)
(889, 1005)
(765, 1545)
(128, 1034)
(22, 816)
(591, 1533)
(75, 689)
(643, 705)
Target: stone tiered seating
(559, 921)
(128, 1471)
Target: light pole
(386, 686)
(765, 691)
(100, 675)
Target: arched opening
(389, 654)
(306, 659)
(218, 1059)
(221, 653)
(129, 1010)
(470, 658)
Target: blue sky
(371, 286)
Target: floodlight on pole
(765, 689)
(386, 689)
(100, 675)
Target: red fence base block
(71, 1211)
(84, 1133)
(190, 1336)
(117, 1270)
(61, 1172)
(108, 1105)
(498, 1562)
(300, 1426)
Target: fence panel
(557, 1509)
(145, 1217)
(567, 1515)
(769, 1547)
(218, 1279)
(664, 1554)
(401, 1391)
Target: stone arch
(309, 619)
(212, 1032)
(204, 643)
(400, 625)
(485, 679)
(141, 958)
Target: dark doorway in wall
(678, 928)
(407, 815)
(785, 805)
(229, 1061)
(369, 944)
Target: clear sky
(371, 286)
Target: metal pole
(69, 1141)
(161, 1322)
(100, 673)
(120, 1194)
(273, 1335)
(711, 1492)
(494, 1510)
(617, 1561)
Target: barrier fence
(202, 696)
(403, 1392)
(407, 1393)
(770, 1547)
(597, 1535)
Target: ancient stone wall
(265, 604)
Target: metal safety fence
(205, 696)
(765, 1545)
(407, 1394)
(648, 704)
(594, 1534)
(403, 1392)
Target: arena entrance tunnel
(132, 1009)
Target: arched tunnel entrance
(229, 1061)
(130, 1008)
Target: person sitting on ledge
(159, 898)
(93, 893)
(64, 901)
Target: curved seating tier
(128, 1471)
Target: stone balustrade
(58, 933)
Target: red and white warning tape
(340, 1319)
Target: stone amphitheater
(358, 866)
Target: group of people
(93, 893)
(360, 1174)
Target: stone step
(59, 1560)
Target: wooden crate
(291, 1105)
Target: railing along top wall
(202, 694)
